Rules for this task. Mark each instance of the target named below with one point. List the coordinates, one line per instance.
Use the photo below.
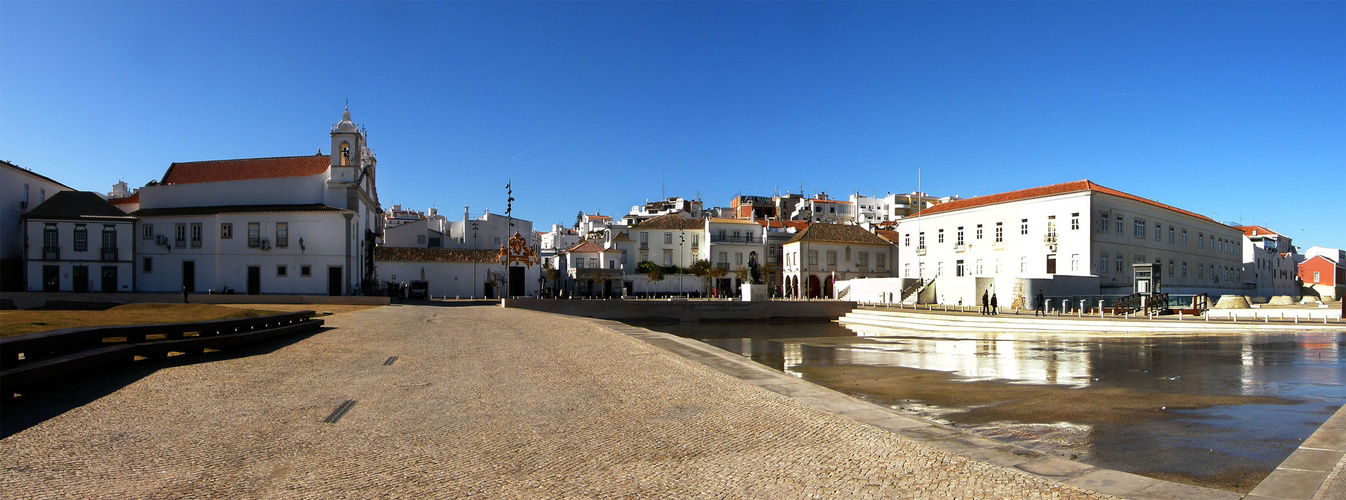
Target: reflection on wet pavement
(1283, 386)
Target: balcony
(51, 252)
(644, 245)
(742, 240)
(959, 247)
(1049, 238)
(920, 250)
(722, 265)
(109, 254)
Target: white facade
(453, 273)
(78, 251)
(21, 190)
(823, 254)
(1269, 263)
(421, 233)
(1069, 240)
(287, 225)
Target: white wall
(12, 183)
(453, 279)
(90, 258)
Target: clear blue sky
(1236, 110)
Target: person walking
(995, 306)
(1040, 303)
(985, 303)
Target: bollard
(1100, 309)
(1267, 318)
(1179, 315)
(1296, 318)
(1282, 315)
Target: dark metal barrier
(34, 357)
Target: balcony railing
(644, 245)
(722, 265)
(51, 252)
(1049, 238)
(109, 254)
(958, 247)
(920, 250)
(733, 239)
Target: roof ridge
(247, 159)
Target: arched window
(345, 154)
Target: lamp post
(474, 261)
(682, 237)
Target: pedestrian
(985, 303)
(184, 294)
(995, 306)
(1040, 303)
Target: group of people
(989, 306)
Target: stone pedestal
(751, 292)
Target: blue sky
(1236, 110)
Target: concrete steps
(912, 319)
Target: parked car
(418, 290)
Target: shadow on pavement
(44, 400)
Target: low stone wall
(29, 300)
(690, 310)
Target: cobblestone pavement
(482, 402)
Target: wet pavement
(1297, 380)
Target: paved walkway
(481, 402)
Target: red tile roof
(245, 168)
(888, 234)
(1256, 231)
(599, 217)
(135, 198)
(587, 246)
(1052, 190)
(403, 254)
(837, 233)
(797, 225)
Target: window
(644, 256)
(254, 234)
(1023, 226)
(25, 195)
(1184, 237)
(436, 242)
(999, 232)
(227, 231)
(109, 242)
(920, 241)
(906, 239)
(1200, 240)
(1102, 263)
(1023, 264)
(941, 236)
(1316, 279)
(1075, 221)
(738, 258)
(146, 265)
(1158, 231)
(668, 257)
(979, 269)
(305, 271)
(196, 235)
(1200, 272)
(51, 243)
(281, 271)
(282, 234)
(147, 232)
(997, 265)
(1184, 270)
(696, 240)
(624, 261)
(832, 259)
(43, 194)
(813, 258)
(1170, 269)
(420, 239)
(960, 236)
(1119, 264)
(848, 254)
(579, 262)
(668, 238)
(979, 231)
(958, 269)
(1140, 227)
(1074, 262)
(644, 240)
(863, 261)
(1103, 223)
(1119, 224)
(593, 262)
(906, 269)
(180, 235)
(81, 238)
(880, 261)
(1170, 234)
(939, 268)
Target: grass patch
(31, 321)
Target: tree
(553, 274)
(717, 272)
(768, 274)
(652, 273)
(579, 219)
(701, 269)
(741, 273)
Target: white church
(282, 225)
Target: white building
(733, 244)
(650, 210)
(592, 270)
(78, 242)
(1269, 263)
(1073, 241)
(288, 225)
(821, 208)
(874, 210)
(819, 256)
(454, 272)
(21, 190)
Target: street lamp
(682, 237)
(474, 261)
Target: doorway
(254, 280)
(109, 279)
(516, 282)
(334, 281)
(51, 278)
(1051, 264)
(79, 279)
(189, 275)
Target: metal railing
(109, 254)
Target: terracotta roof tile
(889, 235)
(1052, 190)
(129, 200)
(587, 246)
(719, 220)
(673, 221)
(403, 254)
(837, 233)
(1256, 231)
(797, 225)
(246, 168)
